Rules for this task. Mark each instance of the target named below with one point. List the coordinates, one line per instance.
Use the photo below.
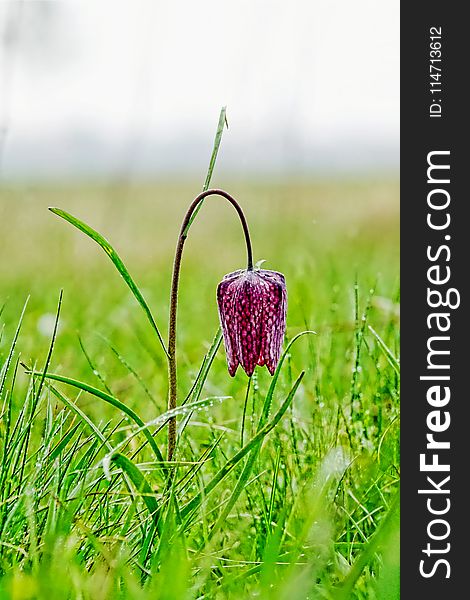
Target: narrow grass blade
(116, 260)
(92, 366)
(198, 384)
(36, 396)
(272, 387)
(7, 363)
(271, 554)
(196, 389)
(61, 445)
(393, 361)
(215, 150)
(171, 414)
(248, 467)
(129, 368)
(139, 481)
(110, 400)
(274, 488)
(232, 462)
(132, 473)
(82, 416)
(387, 524)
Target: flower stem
(172, 377)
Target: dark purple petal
(252, 310)
(225, 303)
(274, 319)
(248, 311)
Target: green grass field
(295, 504)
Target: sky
(135, 86)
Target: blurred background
(133, 88)
(109, 110)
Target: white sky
(295, 76)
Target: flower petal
(249, 302)
(274, 319)
(225, 301)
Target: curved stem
(172, 395)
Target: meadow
(281, 488)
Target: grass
(283, 487)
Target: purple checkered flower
(252, 310)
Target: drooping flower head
(252, 309)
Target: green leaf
(248, 467)
(139, 481)
(6, 365)
(171, 414)
(110, 400)
(385, 530)
(215, 151)
(116, 260)
(393, 361)
(196, 389)
(232, 462)
(131, 472)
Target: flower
(252, 309)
